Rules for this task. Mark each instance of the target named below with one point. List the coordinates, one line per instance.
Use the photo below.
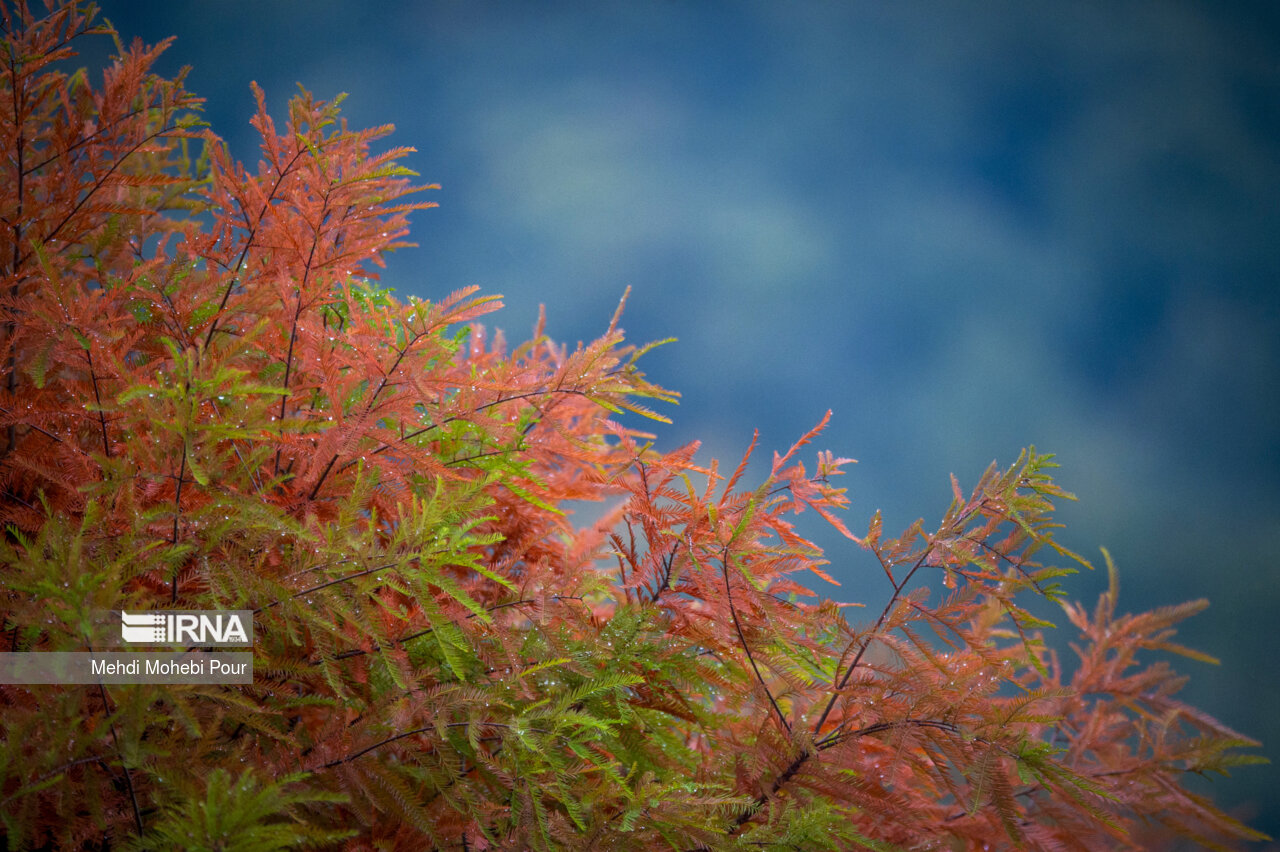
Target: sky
(963, 227)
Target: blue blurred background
(965, 227)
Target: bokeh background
(965, 227)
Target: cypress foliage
(209, 403)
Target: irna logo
(188, 627)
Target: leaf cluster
(208, 402)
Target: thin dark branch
(58, 770)
(411, 733)
(102, 419)
(11, 329)
(235, 447)
(395, 365)
(323, 474)
(248, 243)
(99, 183)
(425, 429)
(737, 625)
(329, 583)
(85, 140)
(177, 513)
(307, 270)
(857, 660)
(798, 762)
(128, 776)
(359, 652)
(778, 783)
(834, 739)
(44, 432)
(668, 563)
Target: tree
(208, 403)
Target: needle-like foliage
(206, 402)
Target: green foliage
(238, 816)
